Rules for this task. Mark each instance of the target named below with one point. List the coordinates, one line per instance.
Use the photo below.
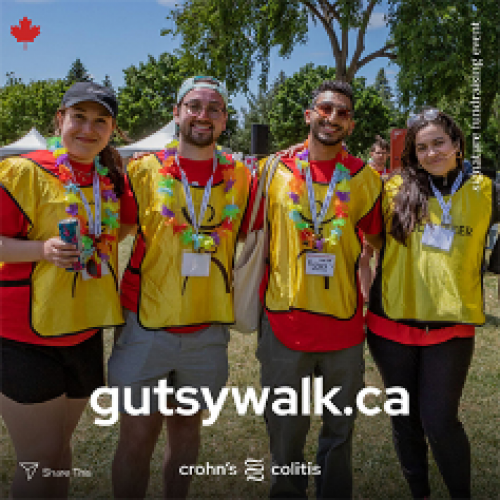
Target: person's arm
(374, 240)
(128, 212)
(291, 151)
(53, 250)
(125, 230)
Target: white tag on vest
(195, 264)
(438, 237)
(320, 264)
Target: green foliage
(229, 38)
(434, 48)
(149, 95)
(258, 112)
(293, 97)
(383, 88)
(77, 73)
(26, 105)
(436, 52)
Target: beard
(195, 139)
(326, 139)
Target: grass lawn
(234, 439)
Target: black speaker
(259, 140)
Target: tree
(227, 38)
(438, 47)
(149, 95)
(381, 85)
(259, 108)
(77, 73)
(293, 97)
(26, 105)
(434, 45)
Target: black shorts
(34, 374)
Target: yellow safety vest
(289, 286)
(426, 284)
(62, 302)
(167, 299)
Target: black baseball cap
(90, 91)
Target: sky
(111, 35)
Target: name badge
(438, 237)
(195, 264)
(320, 264)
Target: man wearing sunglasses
(188, 202)
(312, 326)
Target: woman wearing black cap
(56, 296)
(427, 296)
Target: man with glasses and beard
(312, 324)
(187, 203)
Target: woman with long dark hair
(57, 295)
(427, 296)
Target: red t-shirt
(305, 331)
(197, 171)
(15, 299)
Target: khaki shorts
(141, 358)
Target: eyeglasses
(326, 110)
(428, 115)
(195, 108)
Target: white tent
(32, 141)
(154, 142)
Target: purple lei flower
(104, 257)
(303, 155)
(72, 209)
(166, 212)
(319, 244)
(294, 197)
(215, 237)
(343, 196)
(61, 159)
(168, 152)
(109, 194)
(229, 185)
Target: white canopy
(32, 141)
(154, 142)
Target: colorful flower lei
(166, 190)
(342, 192)
(97, 247)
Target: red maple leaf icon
(25, 32)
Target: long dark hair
(109, 157)
(411, 202)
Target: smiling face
(86, 129)
(333, 129)
(435, 150)
(379, 156)
(201, 117)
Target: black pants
(434, 377)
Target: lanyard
(189, 198)
(446, 206)
(94, 222)
(318, 219)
